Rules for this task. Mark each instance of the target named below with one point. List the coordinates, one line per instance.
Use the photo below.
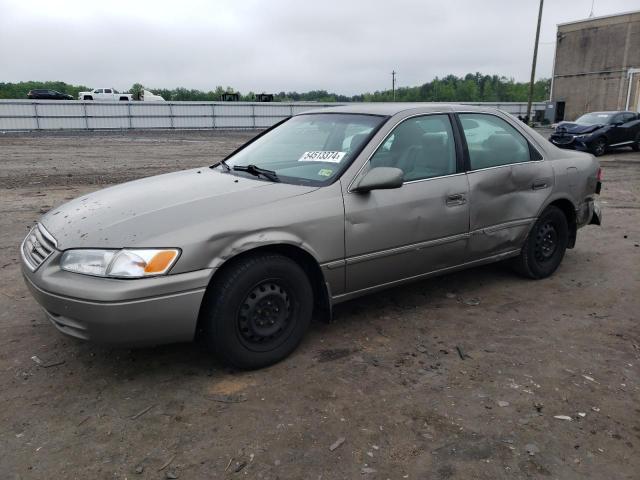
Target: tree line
(473, 87)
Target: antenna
(591, 14)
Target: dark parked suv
(45, 94)
(597, 132)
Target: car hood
(575, 128)
(159, 211)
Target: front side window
(492, 141)
(422, 147)
(309, 149)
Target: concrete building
(597, 66)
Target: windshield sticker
(602, 115)
(325, 172)
(322, 156)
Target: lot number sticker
(322, 156)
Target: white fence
(87, 115)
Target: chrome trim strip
(502, 226)
(405, 248)
(333, 265)
(22, 250)
(500, 256)
(434, 178)
(621, 143)
(479, 112)
(505, 165)
(428, 243)
(47, 235)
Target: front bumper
(119, 312)
(569, 142)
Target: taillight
(599, 175)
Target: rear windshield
(310, 149)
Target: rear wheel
(257, 312)
(636, 143)
(599, 147)
(545, 246)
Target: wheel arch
(321, 293)
(569, 209)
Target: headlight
(134, 263)
(580, 137)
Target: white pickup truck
(112, 95)
(105, 94)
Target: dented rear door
(509, 182)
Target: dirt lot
(387, 376)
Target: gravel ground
(479, 374)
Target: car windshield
(594, 118)
(309, 148)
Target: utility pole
(393, 84)
(533, 65)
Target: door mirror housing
(380, 178)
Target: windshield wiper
(257, 171)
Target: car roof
(388, 109)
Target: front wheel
(599, 147)
(257, 311)
(545, 246)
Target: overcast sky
(344, 46)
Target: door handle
(456, 199)
(538, 185)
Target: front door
(508, 184)
(421, 227)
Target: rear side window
(492, 141)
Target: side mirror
(617, 124)
(380, 178)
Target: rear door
(402, 233)
(508, 183)
(626, 132)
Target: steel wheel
(546, 242)
(265, 315)
(599, 147)
(545, 246)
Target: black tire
(599, 147)
(87, 97)
(545, 246)
(636, 143)
(257, 311)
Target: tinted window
(107, 90)
(492, 141)
(628, 117)
(422, 147)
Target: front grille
(37, 246)
(563, 140)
